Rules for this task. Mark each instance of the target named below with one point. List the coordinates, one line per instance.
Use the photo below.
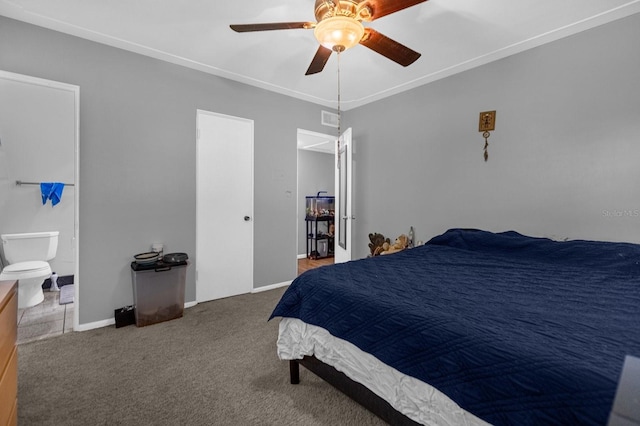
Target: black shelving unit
(320, 223)
(316, 239)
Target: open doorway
(316, 160)
(29, 156)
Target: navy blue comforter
(517, 330)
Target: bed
(471, 328)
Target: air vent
(330, 119)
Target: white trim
(22, 78)
(111, 321)
(96, 324)
(270, 287)
(302, 256)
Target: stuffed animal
(377, 241)
(399, 244)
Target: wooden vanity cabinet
(8, 353)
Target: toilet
(26, 256)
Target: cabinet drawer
(9, 388)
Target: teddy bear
(399, 244)
(377, 241)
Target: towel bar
(19, 182)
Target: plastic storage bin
(158, 291)
(323, 247)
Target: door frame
(322, 137)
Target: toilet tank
(30, 246)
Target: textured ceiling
(452, 35)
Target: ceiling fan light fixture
(339, 32)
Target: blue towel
(51, 191)
(45, 188)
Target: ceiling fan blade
(243, 28)
(380, 8)
(319, 60)
(389, 48)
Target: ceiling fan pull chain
(339, 115)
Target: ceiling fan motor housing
(356, 9)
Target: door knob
(247, 218)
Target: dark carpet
(215, 366)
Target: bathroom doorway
(316, 161)
(39, 142)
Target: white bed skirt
(412, 397)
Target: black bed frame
(352, 389)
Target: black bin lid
(158, 266)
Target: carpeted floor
(215, 366)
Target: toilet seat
(26, 270)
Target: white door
(224, 206)
(344, 205)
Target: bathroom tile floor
(48, 319)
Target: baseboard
(96, 324)
(270, 287)
(111, 321)
(302, 256)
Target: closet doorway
(316, 172)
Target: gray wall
(315, 173)
(564, 159)
(137, 157)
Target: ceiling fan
(339, 27)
